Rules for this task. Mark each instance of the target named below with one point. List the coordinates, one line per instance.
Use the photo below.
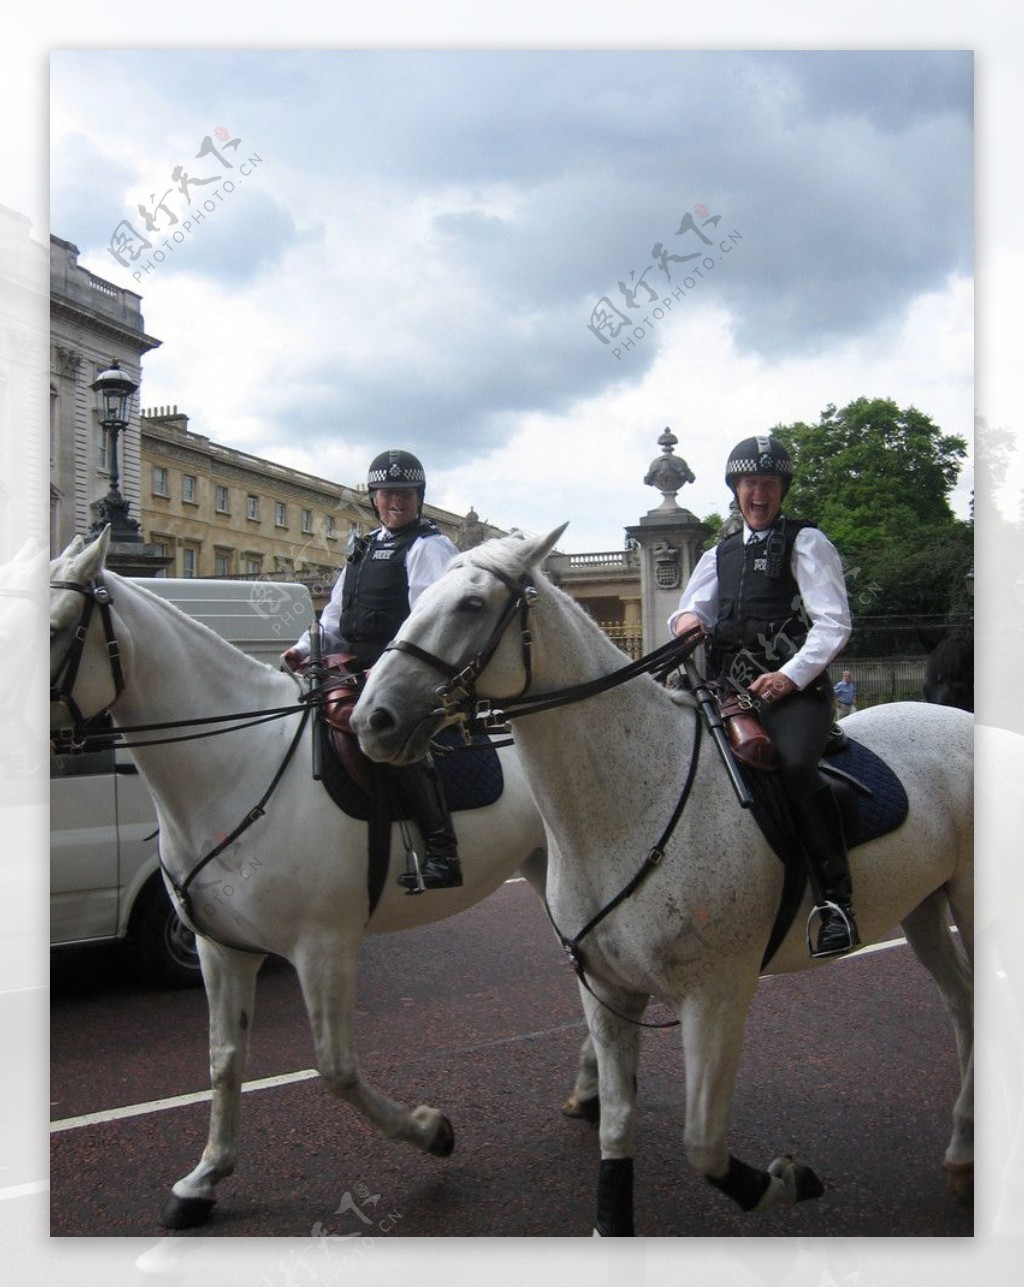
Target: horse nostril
(381, 719)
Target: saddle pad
(865, 817)
(472, 776)
(868, 817)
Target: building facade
(215, 511)
(92, 323)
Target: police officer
(773, 600)
(384, 575)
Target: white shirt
(427, 558)
(818, 570)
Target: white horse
(294, 882)
(607, 773)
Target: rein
(459, 702)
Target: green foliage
(877, 478)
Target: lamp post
(113, 396)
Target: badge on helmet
(761, 455)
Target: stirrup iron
(818, 912)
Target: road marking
(175, 1101)
(307, 1074)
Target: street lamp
(113, 396)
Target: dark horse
(949, 670)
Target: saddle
(368, 792)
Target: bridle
(95, 595)
(458, 696)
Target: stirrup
(413, 869)
(826, 910)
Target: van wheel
(159, 945)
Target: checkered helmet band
(763, 455)
(396, 469)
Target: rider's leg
(800, 726)
(440, 868)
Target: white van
(105, 882)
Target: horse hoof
(960, 1177)
(808, 1185)
(444, 1141)
(586, 1110)
(185, 1213)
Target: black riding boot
(440, 868)
(821, 828)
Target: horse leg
(327, 973)
(712, 1032)
(928, 933)
(616, 1043)
(230, 979)
(585, 1101)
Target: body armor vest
(375, 597)
(762, 621)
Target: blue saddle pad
(472, 775)
(865, 817)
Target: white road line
(288, 1079)
(175, 1101)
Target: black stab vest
(375, 597)
(762, 621)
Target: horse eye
(472, 603)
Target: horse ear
(93, 556)
(539, 547)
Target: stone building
(92, 323)
(215, 511)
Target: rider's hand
(292, 659)
(772, 687)
(688, 621)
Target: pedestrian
(773, 602)
(845, 692)
(384, 575)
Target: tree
(877, 479)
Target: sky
(525, 265)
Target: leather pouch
(748, 738)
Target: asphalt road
(851, 1069)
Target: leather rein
(459, 702)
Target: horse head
(949, 674)
(470, 627)
(85, 662)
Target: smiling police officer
(384, 575)
(772, 598)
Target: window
(280, 514)
(189, 560)
(164, 550)
(221, 500)
(222, 563)
(188, 489)
(253, 565)
(160, 487)
(307, 520)
(252, 508)
(330, 528)
(103, 451)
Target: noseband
(95, 595)
(458, 696)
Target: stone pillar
(669, 540)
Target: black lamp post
(113, 396)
